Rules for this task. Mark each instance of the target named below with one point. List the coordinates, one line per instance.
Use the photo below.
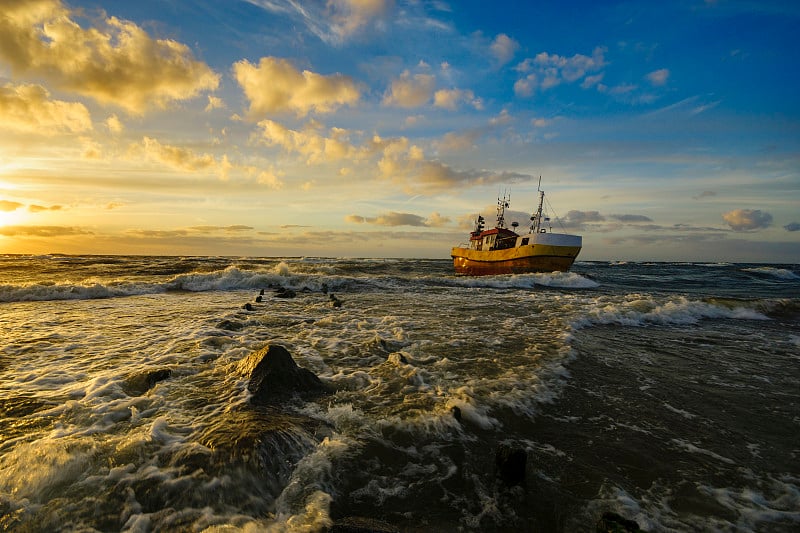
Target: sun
(12, 218)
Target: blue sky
(379, 128)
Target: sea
(666, 393)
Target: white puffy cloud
(545, 71)
(658, 77)
(503, 48)
(116, 63)
(747, 219)
(276, 86)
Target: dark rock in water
(274, 376)
(614, 523)
(510, 462)
(456, 410)
(261, 293)
(230, 325)
(247, 307)
(325, 288)
(335, 302)
(360, 524)
(283, 292)
(139, 383)
(259, 298)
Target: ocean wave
(780, 273)
(557, 280)
(642, 310)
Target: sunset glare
(345, 128)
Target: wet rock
(247, 307)
(141, 382)
(335, 302)
(283, 292)
(361, 524)
(259, 298)
(456, 410)
(274, 376)
(614, 523)
(230, 325)
(261, 293)
(511, 462)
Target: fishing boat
(501, 250)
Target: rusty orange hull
(518, 260)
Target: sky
(662, 131)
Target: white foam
(639, 310)
(780, 273)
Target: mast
(537, 216)
(501, 210)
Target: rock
(141, 382)
(283, 292)
(261, 293)
(275, 376)
(456, 410)
(230, 325)
(335, 302)
(259, 298)
(614, 523)
(510, 462)
(360, 524)
(247, 307)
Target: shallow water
(664, 392)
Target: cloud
(631, 218)
(333, 21)
(546, 71)
(792, 226)
(658, 77)
(503, 48)
(747, 219)
(42, 231)
(704, 194)
(309, 142)
(349, 16)
(576, 219)
(450, 98)
(115, 63)
(28, 108)
(227, 229)
(8, 206)
(114, 124)
(400, 219)
(410, 91)
(276, 86)
(39, 208)
(177, 157)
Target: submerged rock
(511, 462)
(230, 325)
(274, 376)
(141, 382)
(614, 523)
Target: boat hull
(517, 260)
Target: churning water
(667, 393)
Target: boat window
(525, 241)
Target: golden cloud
(276, 86)
(410, 91)
(176, 156)
(28, 108)
(309, 142)
(117, 63)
